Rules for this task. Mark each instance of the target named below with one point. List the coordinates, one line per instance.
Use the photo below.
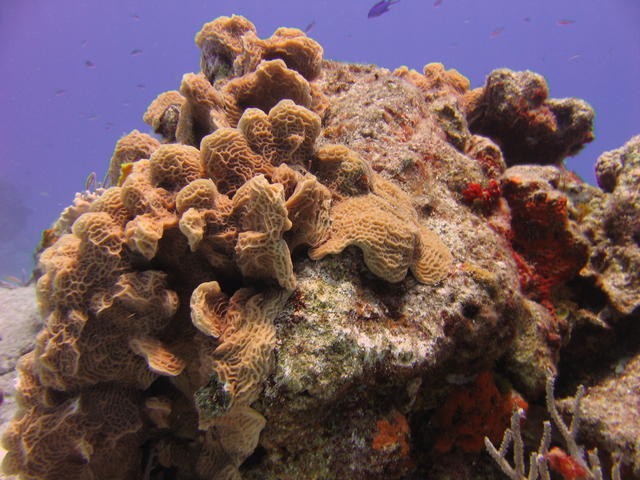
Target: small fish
(573, 57)
(496, 32)
(437, 3)
(526, 19)
(135, 16)
(309, 27)
(135, 51)
(140, 85)
(564, 21)
(89, 64)
(60, 92)
(380, 8)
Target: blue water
(76, 75)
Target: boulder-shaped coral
(612, 225)
(514, 110)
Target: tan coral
(158, 409)
(110, 202)
(205, 222)
(261, 251)
(159, 358)
(228, 45)
(271, 82)
(242, 361)
(138, 304)
(308, 208)
(295, 130)
(239, 431)
(201, 193)
(385, 226)
(203, 110)
(343, 170)
(244, 357)
(163, 114)
(229, 160)
(173, 166)
(130, 148)
(298, 51)
(209, 308)
(287, 134)
(65, 441)
(151, 207)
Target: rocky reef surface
(324, 270)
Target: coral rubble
(315, 271)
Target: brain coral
(160, 293)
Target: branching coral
(572, 466)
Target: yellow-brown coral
(130, 148)
(230, 45)
(384, 225)
(163, 114)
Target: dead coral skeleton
(539, 462)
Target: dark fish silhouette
(564, 21)
(60, 92)
(89, 64)
(136, 51)
(309, 27)
(380, 8)
(437, 3)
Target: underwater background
(76, 75)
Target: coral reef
(316, 271)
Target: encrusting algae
(209, 316)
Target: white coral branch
(538, 466)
